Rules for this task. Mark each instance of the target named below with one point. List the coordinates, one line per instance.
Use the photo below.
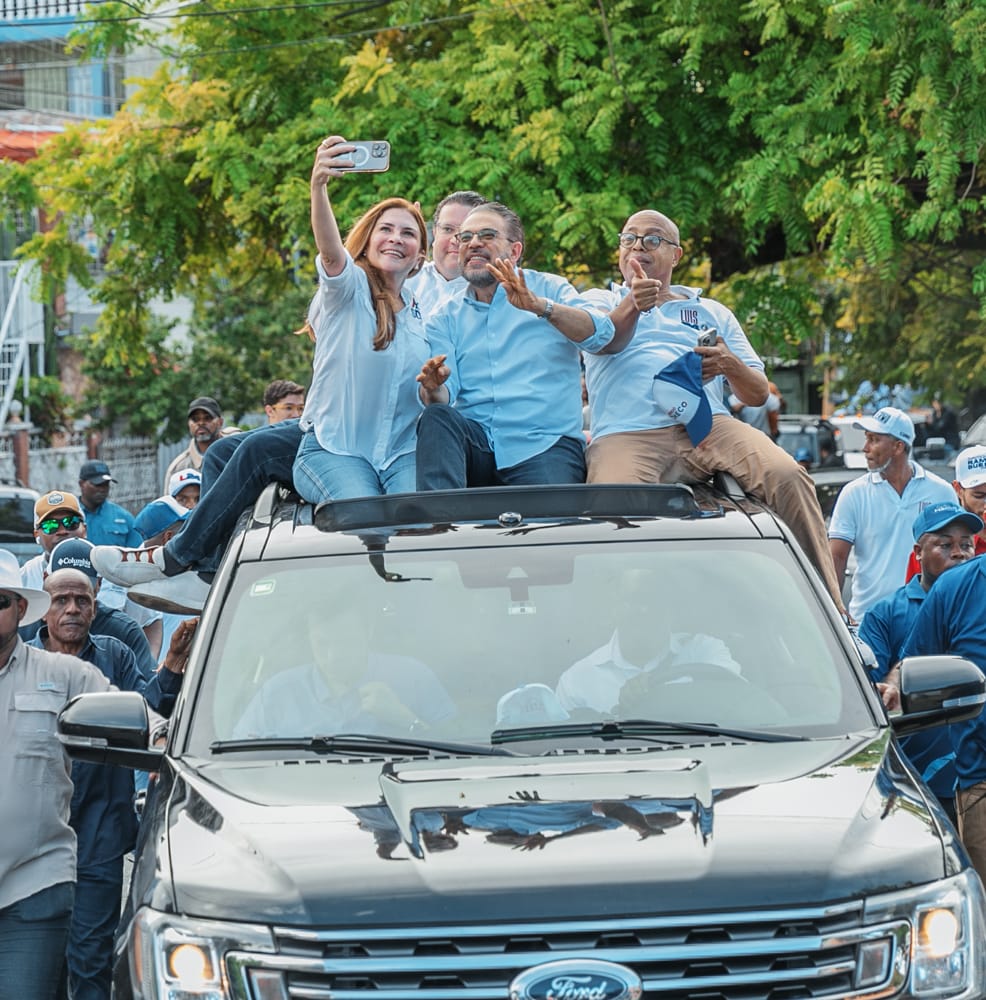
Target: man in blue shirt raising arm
(951, 620)
(944, 536)
(502, 395)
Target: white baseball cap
(970, 467)
(889, 420)
(183, 478)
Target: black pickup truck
(560, 743)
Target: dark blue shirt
(102, 798)
(111, 621)
(952, 620)
(884, 629)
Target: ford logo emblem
(577, 979)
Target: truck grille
(791, 954)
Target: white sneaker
(183, 594)
(128, 566)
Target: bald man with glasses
(657, 408)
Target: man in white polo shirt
(874, 513)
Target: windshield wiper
(647, 729)
(358, 743)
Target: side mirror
(935, 690)
(109, 727)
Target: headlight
(948, 935)
(182, 958)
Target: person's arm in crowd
(840, 550)
(166, 683)
(154, 633)
(773, 415)
(875, 631)
(324, 226)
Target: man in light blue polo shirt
(503, 395)
(874, 513)
(107, 523)
(649, 426)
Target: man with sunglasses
(57, 518)
(502, 394)
(57, 515)
(657, 408)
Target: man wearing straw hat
(37, 849)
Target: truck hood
(326, 841)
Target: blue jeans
(453, 453)
(98, 891)
(323, 475)
(235, 471)
(33, 932)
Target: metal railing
(21, 326)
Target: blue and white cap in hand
(679, 393)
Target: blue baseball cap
(72, 553)
(938, 515)
(802, 455)
(158, 515)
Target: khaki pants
(970, 806)
(666, 455)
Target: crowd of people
(456, 370)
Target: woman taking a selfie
(359, 419)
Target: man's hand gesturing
(643, 290)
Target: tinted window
(16, 519)
(385, 642)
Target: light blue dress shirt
(620, 385)
(513, 373)
(363, 402)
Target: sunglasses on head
(6, 600)
(51, 524)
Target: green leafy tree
(823, 159)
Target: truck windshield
(455, 644)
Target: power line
(145, 16)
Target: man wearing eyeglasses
(658, 412)
(442, 276)
(283, 400)
(502, 394)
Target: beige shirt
(37, 848)
(191, 457)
